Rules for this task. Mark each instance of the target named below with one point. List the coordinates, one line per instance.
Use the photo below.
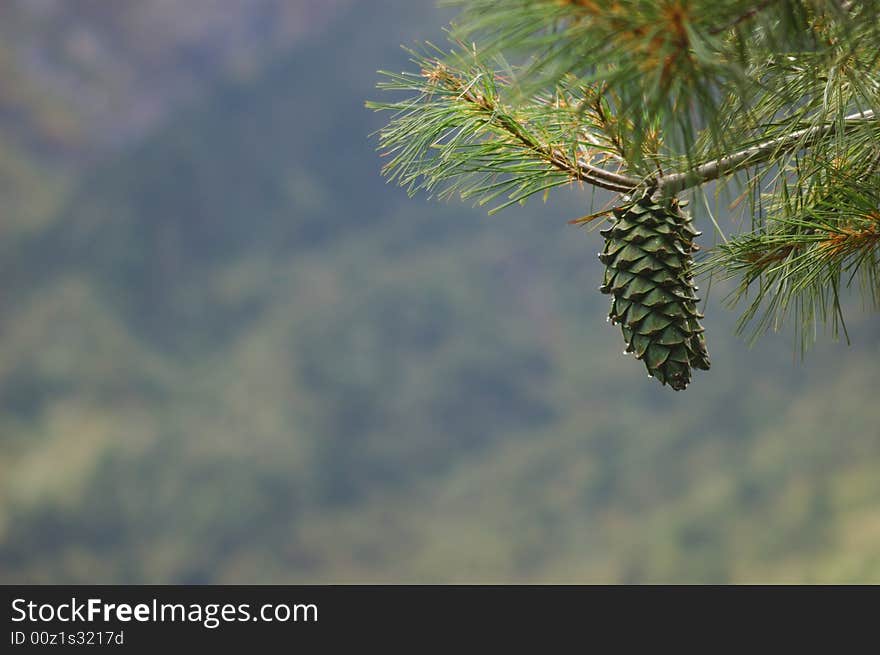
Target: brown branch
(742, 18)
(847, 240)
(837, 243)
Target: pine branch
(759, 154)
(673, 183)
(456, 131)
(813, 245)
(468, 99)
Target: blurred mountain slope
(236, 355)
(116, 69)
(81, 80)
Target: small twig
(742, 18)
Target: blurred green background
(230, 353)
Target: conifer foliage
(776, 102)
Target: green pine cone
(648, 273)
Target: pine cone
(648, 273)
